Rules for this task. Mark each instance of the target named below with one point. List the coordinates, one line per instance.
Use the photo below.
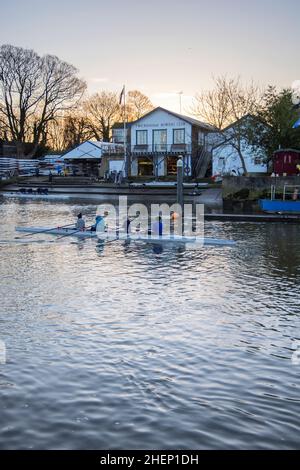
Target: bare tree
(55, 134)
(33, 90)
(213, 106)
(102, 110)
(138, 104)
(225, 107)
(68, 130)
(76, 130)
(3, 131)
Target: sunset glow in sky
(161, 47)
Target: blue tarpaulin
(297, 124)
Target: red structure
(286, 161)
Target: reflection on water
(119, 347)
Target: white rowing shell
(109, 236)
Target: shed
(285, 161)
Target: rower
(99, 225)
(127, 222)
(157, 227)
(174, 216)
(97, 219)
(80, 224)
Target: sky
(161, 47)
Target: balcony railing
(115, 149)
(175, 149)
(155, 149)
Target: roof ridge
(180, 116)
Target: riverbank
(253, 188)
(235, 200)
(156, 191)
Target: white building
(225, 157)
(117, 131)
(161, 136)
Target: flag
(297, 124)
(122, 95)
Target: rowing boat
(33, 195)
(139, 237)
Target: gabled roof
(226, 138)
(192, 121)
(286, 150)
(87, 149)
(90, 149)
(244, 118)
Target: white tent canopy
(91, 150)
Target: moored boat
(288, 207)
(33, 195)
(288, 203)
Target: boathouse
(161, 136)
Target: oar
(107, 242)
(43, 231)
(72, 233)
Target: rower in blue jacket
(99, 225)
(157, 227)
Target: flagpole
(125, 136)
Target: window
(287, 159)
(178, 136)
(118, 135)
(160, 140)
(258, 161)
(201, 138)
(141, 137)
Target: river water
(125, 348)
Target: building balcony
(112, 149)
(156, 149)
